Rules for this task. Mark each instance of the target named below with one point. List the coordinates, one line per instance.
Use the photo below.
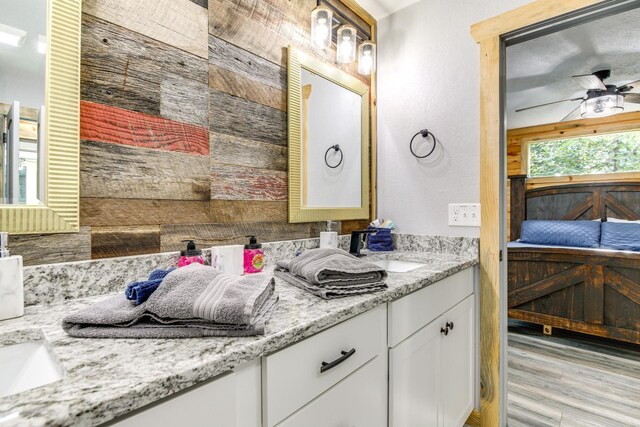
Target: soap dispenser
(11, 285)
(329, 238)
(253, 256)
(190, 255)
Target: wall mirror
(328, 141)
(39, 115)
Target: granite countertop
(107, 378)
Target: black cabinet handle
(329, 365)
(444, 331)
(450, 325)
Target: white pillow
(622, 220)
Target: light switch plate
(464, 214)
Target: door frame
(490, 35)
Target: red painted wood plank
(103, 123)
(232, 182)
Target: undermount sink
(27, 365)
(396, 266)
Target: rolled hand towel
(138, 292)
(193, 301)
(332, 273)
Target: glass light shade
(367, 58)
(346, 44)
(321, 22)
(602, 106)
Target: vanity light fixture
(602, 104)
(367, 58)
(346, 49)
(324, 18)
(321, 25)
(12, 36)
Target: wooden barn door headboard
(572, 202)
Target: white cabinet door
(359, 400)
(456, 363)
(413, 379)
(431, 372)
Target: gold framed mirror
(329, 139)
(55, 208)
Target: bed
(589, 290)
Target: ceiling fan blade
(632, 97)
(575, 114)
(590, 81)
(548, 103)
(629, 86)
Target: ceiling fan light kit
(601, 100)
(602, 104)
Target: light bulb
(346, 44)
(321, 19)
(367, 58)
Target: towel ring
(335, 148)
(425, 134)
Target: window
(598, 154)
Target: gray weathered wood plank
(118, 171)
(178, 23)
(234, 84)
(37, 249)
(232, 211)
(233, 150)
(98, 212)
(108, 242)
(239, 117)
(225, 55)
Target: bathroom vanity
(348, 361)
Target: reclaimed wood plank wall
(183, 126)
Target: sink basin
(27, 365)
(395, 266)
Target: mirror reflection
(331, 146)
(23, 50)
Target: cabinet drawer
(412, 312)
(358, 400)
(292, 377)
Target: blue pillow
(584, 234)
(624, 236)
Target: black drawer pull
(450, 325)
(329, 365)
(444, 331)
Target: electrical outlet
(464, 214)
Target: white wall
(428, 77)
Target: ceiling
(540, 70)
(382, 8)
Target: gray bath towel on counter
(331, 273)
(193, 301)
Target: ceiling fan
(601, 100)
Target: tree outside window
(598, 154)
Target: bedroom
(573, 224)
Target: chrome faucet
(356, 241)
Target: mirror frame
(60, 211)
(296, 61)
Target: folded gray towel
(193, 301)
(331, 273)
